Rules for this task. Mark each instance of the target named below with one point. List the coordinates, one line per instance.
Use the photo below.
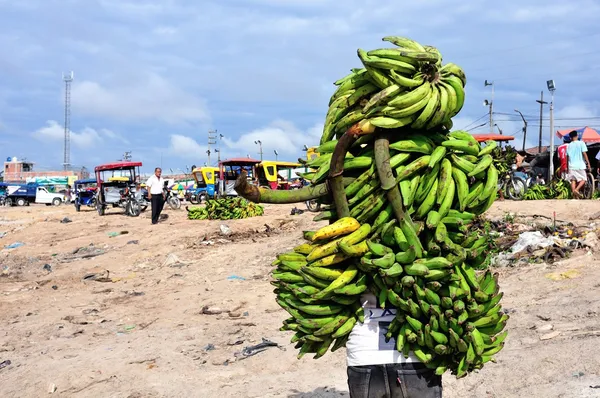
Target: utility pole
(276, 154)
(524, 128)
(541, 102)
(490, 104)
(551, 88)
(212, 136)
(68, 79)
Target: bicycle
(589, 187)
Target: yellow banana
(343, 226)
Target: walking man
(156, 194)
(576, 154)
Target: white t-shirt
(366, 344)
(155, 185)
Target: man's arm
(585, 155)
(587, 160)
(149, 187)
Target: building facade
(16, 170)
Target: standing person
(376, 368)
(576, 153)
(156, 194)
(562, 156)
(68, 194)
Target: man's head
(567, 139)
(157, 171)
(573, 135)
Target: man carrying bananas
(576, 153)
(376, 368)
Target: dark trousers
(157, 205)
(402, 380)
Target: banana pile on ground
(558, 189)
(225, 209)
(446, 315)
(390, 165)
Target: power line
(473, 122)
(566, 119)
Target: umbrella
(177, 187)
(585, 134)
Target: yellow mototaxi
(205, 178)
(275, 174)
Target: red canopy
(117, 166)
(586, 134)
(494, 137)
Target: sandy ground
(129, 321)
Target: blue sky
(153, 76)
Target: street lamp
(276, 153)
(260, 151)
(218, 150)
(551, 87)
(499, 129)
(490, 104)
(524, 128)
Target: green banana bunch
(538, 192)
(411, 233)
(319, 285)
(225, 209)
(397, 87)
(447, 315)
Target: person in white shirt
(376, 368)
(155, 185)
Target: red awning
(117, 166)
(493, 137)
(586, 134)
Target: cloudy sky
(153, 76)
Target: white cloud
(150, 98)
(186, 147)
(85, 139)
(280, 135)
(576, 116)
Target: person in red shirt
(562, 156)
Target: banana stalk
(386, 176)
(262, 195)
(336, 170)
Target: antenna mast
(67, 78)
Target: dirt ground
(84, 314)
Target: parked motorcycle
(313, 205)
(513, 186)
(172, 199)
